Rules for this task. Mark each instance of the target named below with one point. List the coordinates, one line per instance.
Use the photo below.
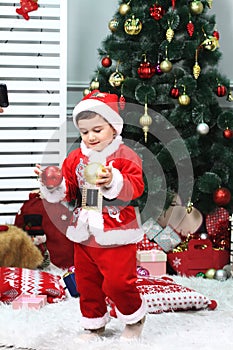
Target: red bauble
(157, 12)
(222, 196)
(146, 70)
(106, 62)
(122, 102)
(221, 90)
(216, 34)
(174, 92)
(51, 176)
(228, 133)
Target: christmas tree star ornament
(27, 6)
(145, 121)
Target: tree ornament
(133, 26)
(169, 34)
(173, 4)
(228, 133)
(221, 90)
(86, 92)
(174, 92)
(157, 12)
(216, 34)
(51, 176)
(203, 128)
(220, 275)
(122, 102)
(124, 8)
(158, 70)
(210, 273)
(27, 6)
(113, 25)
(210, 3)
(146, 70)
(106, 62)
(229, 97)
(91, 172)
(196, 7)
(210, 43)
(190, 28)
(166, 65)
(95, 84)
(196, 67)
(222, 196)
(184, 99)
(116, 78)
(145, 121)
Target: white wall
(88, 26)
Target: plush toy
(17, 248)
(27, 6)
(48, 221)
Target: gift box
(198, 257)
(29, 301)
(153, 260)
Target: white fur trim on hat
(101, 108)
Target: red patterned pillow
(163, 294)
(15, 280)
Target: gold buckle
(92, 199)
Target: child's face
(96, 132)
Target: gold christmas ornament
(116, 79)
(169, 34)
(184, 99)
(145, 121)
(95, 84)
(91, 172)
(86, 91)
(196, 7)
(230, 97)
(196, 67)
(113, 25)
(210, 43)
(189, 207)
(210, 3)
(124, 8)
(133, 26)
(166, 66)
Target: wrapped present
(198, 257)
(29, 301)
(153, 260)
(166, 238)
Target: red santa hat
(104, 104)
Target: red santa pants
(111, 272)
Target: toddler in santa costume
(105, 226)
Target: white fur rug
(56, 326)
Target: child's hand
(104, 177)
(38, 170)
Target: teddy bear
(17, 248)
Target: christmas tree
(161, 58)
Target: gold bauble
(113, 25)
(124, 8)
(86, 92)
(116, 79)
(95, 84)
(133, 26)
(91, 172)
(211, 43)
(210, 3)
(196, 70)
(210, 273)
(169, 34)
(184, 99)
(196, 7)
(165, 66)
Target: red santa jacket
(118, 222)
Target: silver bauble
(220, 275)
(203, 128)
